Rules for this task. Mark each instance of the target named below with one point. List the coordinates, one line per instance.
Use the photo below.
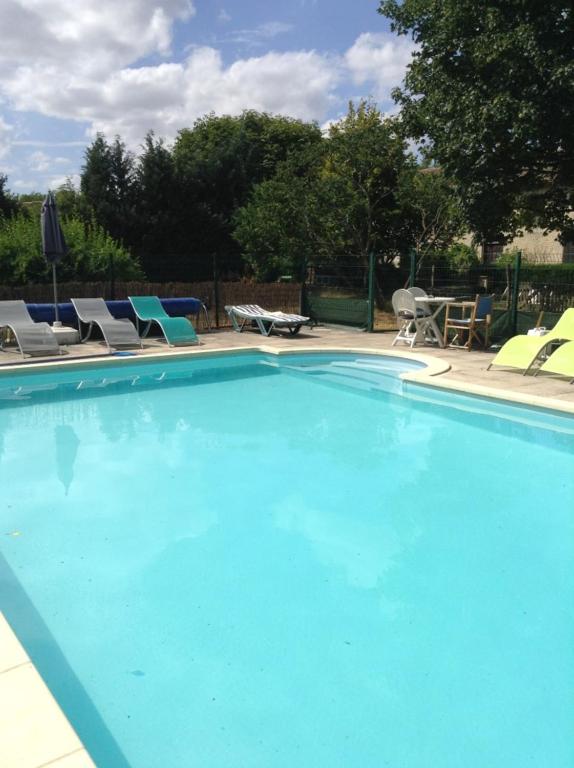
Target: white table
(439, 302)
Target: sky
(72, 68)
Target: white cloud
(39, 161)
(24, 185)
(273, 28)
(5, 137)
(40, 143)
(168, 97)
(223, 16)
(261, 34)
(90, 37)
(42, 162)
(379, 60)
(80, 61)
(54, 182)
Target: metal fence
(214, 294)
(525, 294)
(339, 294)
(358, 295)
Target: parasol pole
(57, 322)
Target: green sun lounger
(178, 331)
(523, 351)
(561, 362)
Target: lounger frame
(163, 323)
(245, 315)
(34, 339)
(106, 325)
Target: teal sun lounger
(178, 331)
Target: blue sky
(70, 69)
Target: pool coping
(34, 732)
(36, 717)
(429, 376)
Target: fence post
(515, 292)
(216, 289)
(413, 273)
(371, 307)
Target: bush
(461, 257)
(541, 274)
(457, 259)
(91, 251)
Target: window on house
(568, 253)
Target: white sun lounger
(32, 338)
(116, 333)
(249, 315)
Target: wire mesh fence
(337, 293)
(213, 294)
(525, 294)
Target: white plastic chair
(412, 320)
(421, 294)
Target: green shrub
(541, 274)
(458, 258)
(90, 253)
(461, 257)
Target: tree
(289, 219)
(107, 184)
(160, 231)
(490, 94)
(220, 161)
(337, 201)
(71, 203)
(432, 208)
(366, 155)
(8, 202)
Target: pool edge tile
(78, 759)
(11, 652)
(34, 731)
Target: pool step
(366, 376)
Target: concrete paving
(466, 368)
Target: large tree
(161, 233)
(107, 185)
(366, 156)
(291, 219)
(490, 93)
(219, 162)
(431, 209)
(337, 201)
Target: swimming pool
(254, 560)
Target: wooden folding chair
(476, 327)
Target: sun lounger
(250, 315)
(32, 338)
(561, 362)
(116, 333)
(523, 351)
(177, 330)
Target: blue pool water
(254, 563)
